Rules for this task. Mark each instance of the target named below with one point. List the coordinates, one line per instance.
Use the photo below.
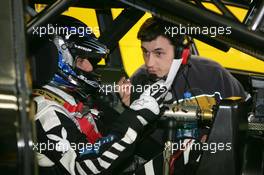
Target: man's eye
(145, 52)
(158, 54)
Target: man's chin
(153, 77)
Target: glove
(149, 103)
(151, 98)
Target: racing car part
(193, 109)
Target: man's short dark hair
(154, 27)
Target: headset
(182, 49)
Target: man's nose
(150, 60)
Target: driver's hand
(150, 101)
(124, 90)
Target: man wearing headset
(195, 76)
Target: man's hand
(151, 100)
(124, 90)
(149, 103)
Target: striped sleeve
(117, 151)
(62, 132)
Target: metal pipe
(120, 26)
(55, 9)
(236, 3)
(193, 46)
(199, 3)
(226, 12)
(258, 17)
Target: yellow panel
(132, 55)
(130, 46)
(232, 59)
(86, 15)
(39, 7)
(238, 12)
(212, 7)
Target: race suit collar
(61, 93)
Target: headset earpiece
(185, 55)
(182, 51)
